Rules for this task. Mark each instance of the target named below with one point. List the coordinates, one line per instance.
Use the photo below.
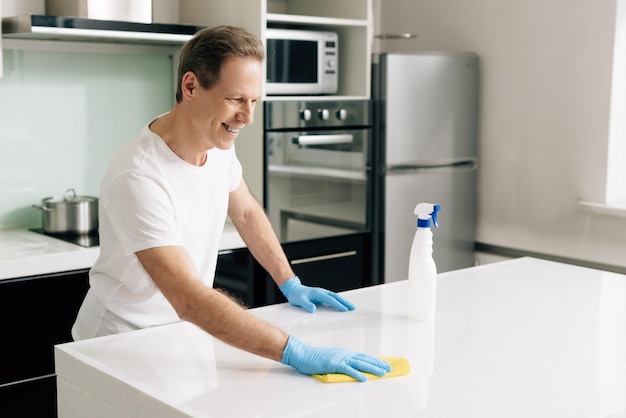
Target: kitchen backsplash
(63, 115)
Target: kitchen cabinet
(36, 313)
(240, 276)
(338, 263)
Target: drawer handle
(324, 257)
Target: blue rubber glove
(307, 297)
(308, 359)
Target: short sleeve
(141, 213)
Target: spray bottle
(422, 268)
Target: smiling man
(163, 204)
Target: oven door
(318, 183)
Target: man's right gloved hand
(308, 359)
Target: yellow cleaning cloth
(399, 367)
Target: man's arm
(256, 231)
(172, 270)
(174, 273)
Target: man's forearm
(172, 271)
(259, 236)
(229, 322)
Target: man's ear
(189, 83)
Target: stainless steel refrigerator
(425, 149)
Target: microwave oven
(301, 62)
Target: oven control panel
(324, 114)
(310, 115)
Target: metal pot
(69, 214)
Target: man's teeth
(231, 130)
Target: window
(613, 198)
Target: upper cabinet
(351, 19)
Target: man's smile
(230, 129)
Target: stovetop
(84, 240)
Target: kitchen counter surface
(520, 338)
(25, 253)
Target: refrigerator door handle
(466, 164)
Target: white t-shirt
(150, 197)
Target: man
(164, 200)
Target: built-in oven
(318, 179)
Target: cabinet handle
(324, 257)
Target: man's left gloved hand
(308, 359)
(308, 297)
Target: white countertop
(520, 338)
(25, 253)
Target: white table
(521, 338)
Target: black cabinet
(36, 313)
(31, 398)
(337, 263)
(240, 275)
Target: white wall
(546, 74)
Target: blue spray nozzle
(425, 212)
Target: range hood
(79, 29)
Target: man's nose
(246, 113)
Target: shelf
(325, 98)
(313, 20)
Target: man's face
(221, 111)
